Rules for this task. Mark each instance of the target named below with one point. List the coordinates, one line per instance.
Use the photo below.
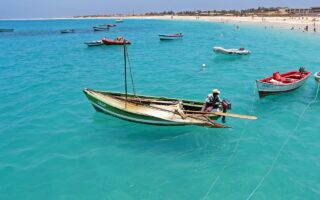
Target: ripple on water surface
(53, 143)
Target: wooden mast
(125, 70)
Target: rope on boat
(234, 150)
(131, 76)
(284, 145)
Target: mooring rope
(234, 150)
(283, 145)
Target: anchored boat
(240, 51)
(155, 110)
(100, 28)
(151, 110)
(117, 41)
(119, 20)
(67, 31)
(170, 36)
(94, 43)
(280, 83)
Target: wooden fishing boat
(67, 31)
(240, 51)
(117, 41)
(317, 76)
(100, 28)
(6, 29)
(170, 36)
(94, 43)
(280, 83)
(151, 110)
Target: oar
(222, 114)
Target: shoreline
(294, 23)
(297, 23)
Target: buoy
(203, 65)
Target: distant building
(273, 12)
(313, 11)
(299, 11)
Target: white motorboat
(94, 43)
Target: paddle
(222, 114)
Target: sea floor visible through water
(54, 145)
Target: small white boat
(317, 76)
(100, 28)
(170, 36)
(240, 51)
(67, 31)
(119, 20)
(94, 43)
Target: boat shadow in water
(143, 132)
(229, 58)
(179, 142)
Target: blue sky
(10, 9)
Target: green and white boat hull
(114, 104)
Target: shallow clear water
(54, 145)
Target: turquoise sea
(54, 145)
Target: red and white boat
(279, 83)
(117, 41)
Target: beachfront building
(313, 11)
(299, 11)
(272, 12)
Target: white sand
(298, 23)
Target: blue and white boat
(170, 36)
(100, 28)
(94, 43)
(67, 31)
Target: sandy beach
(292, 23)
(295, 23)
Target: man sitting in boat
(119, 38)
(213, 102)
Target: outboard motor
(226, 105)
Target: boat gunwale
(283, 84)
(145, 96)
(195, 103)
